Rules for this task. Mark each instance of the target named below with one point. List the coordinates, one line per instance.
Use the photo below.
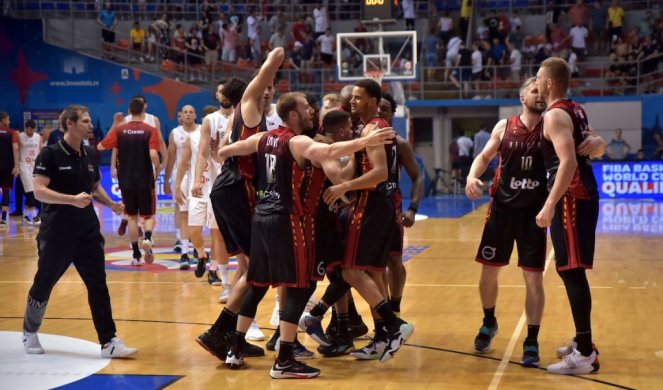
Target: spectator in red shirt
(299, 30)
(579, 14)
(559, 41)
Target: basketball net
(375, 74)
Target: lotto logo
(525, 184)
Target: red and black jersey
(583, 185)
(8, 138)
(315, 182)
(364, 165)
(240, 167)
(279, 177)
(521, 175)
(133, 141)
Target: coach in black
(66, 179)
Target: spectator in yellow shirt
(615, 19)
(137, 35)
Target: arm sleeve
(44, 163)
(110, 141)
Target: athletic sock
(352, 309)
(285, 350)
(395, 304)
(388, 316)
(342, 324)
(223, 270)
(227, 320)
(532, 333)
(584, 340)
(185, 247)
(134, 246)
(380, 330)
(489, 316)
(178, 235)
(148, 235)
(319, 310)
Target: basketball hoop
(375, 74)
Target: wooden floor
(161, 312)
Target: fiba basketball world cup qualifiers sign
(629, 179)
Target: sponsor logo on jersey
(488, 252)
(525, 184)
(68, 168)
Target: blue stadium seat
(520, 3)
(47, 6)
(62, 6)
(452, 5)
(504, 4)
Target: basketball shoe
(576, 364)
(372, 351)
(31, 343)
(340, 345)
(225, 293)
(117, 349)
(292, 369)
(213, 342)
(485, 337)
(395, 340)
(530, 354)
(312, 326)
(254, 333)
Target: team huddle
(295, 193)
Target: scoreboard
(378, 9)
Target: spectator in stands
(618, 149)
(579, 14)
(598, 25)
(409, 14)
(482, 31)
(137, 35)
(552, 18)
(277, 40)
(326, 43)
(229, 37)
(504, 27)
(615, 20)
(559, 41)
(481, 138)
(206, 20)
(465, 12)
(493, 24)
(477, 67)
(516, 61)
(464, 154)
(194, 32)
(257, 54)
(277, 21)
(298, 29)
(151, 43)
(431, 46)
(252, 22)
(515, 20)
(578, 35)
(321, 20)
(640, 155)
(162, 28)
(453, 47)
(307, 54)
(646, 27)
(445, 27)
(454, 158)
(463, 64)
(211, 43)
(107, 20)
(515, 38)
(497, 54)
(179, 44)
(650, 56)
(233, 17)
(573, 64)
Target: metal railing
(190, 9)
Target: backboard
(390, 52)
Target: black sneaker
(252, 350)
(213, 278)
(184, 262)
(357, 327)
(341, 345)
(485, 337)
(292, 369)
(213, 342)
(200, 267)
(332, 328)
(530, 354)
(271, 344)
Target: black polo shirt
(70, 173)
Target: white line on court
(497, 377)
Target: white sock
(185, 247)
(223, 270)
(213, 265)
(35, 213)
(178, 236)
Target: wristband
(413, 207)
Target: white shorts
(201, 213)
(26, 178)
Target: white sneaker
(566, 349)
(576, 364)
(31, 343)
(225, 293)
(372, 351)
(147, 247)
(116, 349)
(254, 333)
(275, 320)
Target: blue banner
(113, 189)
(629, 179)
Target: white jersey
(149, 119)
(218, 125)
(209, 172)
(179, 138)
(28, 150)
(273, 121)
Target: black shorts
(324, 245)
(369, 229)
(397, 233)
(504, 225)
(139, 202)
(573, 232)
(233, 213)
(6, 179)
(108, 36)
(278, 252)
(327, 58)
